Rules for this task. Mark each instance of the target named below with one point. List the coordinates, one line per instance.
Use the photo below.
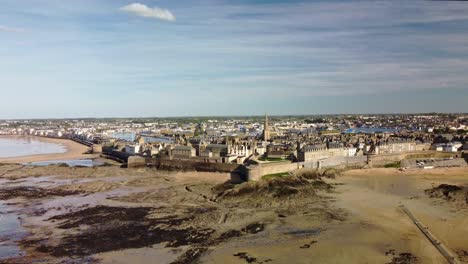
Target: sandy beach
(189, 217)
(73, 151)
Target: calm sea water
(128, 136)
(10, 232)
(131, 136)
(18, 147)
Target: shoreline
(74, 150)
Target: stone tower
(266, 130)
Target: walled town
(267, 189)
(262, 145)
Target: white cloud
(11, 29)
(145, 11)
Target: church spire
(266, 129)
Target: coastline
(74, 150)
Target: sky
(117, 58)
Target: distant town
(294, 141)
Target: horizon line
(227, 116)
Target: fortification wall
(343, 162)
(233, 172)
(256, 172)
(136, 161)
(97, 148)
(310, 164)
(166, 164)
(116, 155)
(253, 173)
(382, 160)
(436, 162)
(279, 167)
(423, 147)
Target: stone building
(217, 150)
(317, 152)
(311, 152)
(132, 149)
(183, 152)
(395, 146)
(241, 149)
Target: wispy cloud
(145, 11)
(300, 56)
(11, 29)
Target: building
(260, 150)
(206, 153)
(241, 150)
(183, 152)
(321, 151)
(447, 147)
(278, 151)
(438, 147)
(132, 149)
(217, 150)
(395, 146)
(311, 152)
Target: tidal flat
(114, 215)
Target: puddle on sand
(44, 181)
(73, 203)
(10, 232)
(300, 232)
(37, 212)
(53, 181)
(70, 163)
(56, 205)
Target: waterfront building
(317, 152)
(395, 146)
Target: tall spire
(266, 129)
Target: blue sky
(114, 58)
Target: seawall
(255, 172)
(237, 172)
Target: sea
(131, 136)
(10, 232)
(26, 146)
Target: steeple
(266, 129)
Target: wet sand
(375, 229)
(193, 217)
(377, 194)
(73, 151)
